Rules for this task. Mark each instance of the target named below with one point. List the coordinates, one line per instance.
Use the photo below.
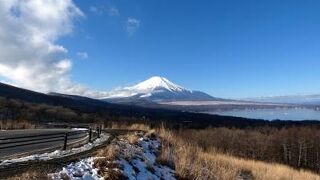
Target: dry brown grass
(106, 162)
(259, 169)
(193, 163)
(108, 169)
(111, 152)
(136, 126)
(133, 139)
(113, 174)
(15, 124)
(165, 156)
(30, 175)
(151, 134)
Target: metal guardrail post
(98, 132)
(90, 134)
(65, 141)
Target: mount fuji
(156, 89)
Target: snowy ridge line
(7, 170)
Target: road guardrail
(20, 141)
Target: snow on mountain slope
(157, 89)
(157, 82)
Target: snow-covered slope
(157, 82)
(156, 89)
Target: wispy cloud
(109, 10)
(82, 55)
(96, 10)
(113, 11)
(88, 37)
(132, 25)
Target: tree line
(18, 114)
(298, 147)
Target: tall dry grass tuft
(192, 162)
(166, 156)
(106, 163)
(133, 139)
(111, 152)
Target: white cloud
(29, 54)
(132, 25)
(82, 55)
(110, 10)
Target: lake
(271, 114)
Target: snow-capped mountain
(157, 89)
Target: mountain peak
(158, 82)
(156, 89)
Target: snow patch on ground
(136, 161)
(143, 165)
(57, 153)
(80, 170)
(80, 129)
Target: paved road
(53, 134)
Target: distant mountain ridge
(313, 99)
(157, 89)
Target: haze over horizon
(228, 49)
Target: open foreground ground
(162, 154)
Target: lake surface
(271, 114)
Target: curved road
(5, 137)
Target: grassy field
(192, 162)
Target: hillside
(157, 89)
(82, 107)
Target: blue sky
(227, 48)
